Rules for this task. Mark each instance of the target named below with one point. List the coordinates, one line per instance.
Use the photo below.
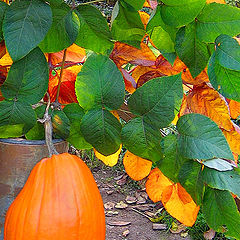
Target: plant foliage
(163, 83)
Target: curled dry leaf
(110, 160)
(207, 101)
(119, 223)
(125, 233)
(209, 235)
(121, 205)
(174, 197)
(136, 167)
(109, 205)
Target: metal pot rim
(27, 142)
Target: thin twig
(61, 74)
(95, 1)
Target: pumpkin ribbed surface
(60, 201)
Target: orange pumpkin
(60, 201)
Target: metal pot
(17, 158)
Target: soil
(114, 188)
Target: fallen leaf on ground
(109, 205)
(111, 213)
(177, 228)
(125, 233)
(121, 205)
(159, 226)
(130, 200)
(209, 235)
(119, 223)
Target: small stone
(159, 226)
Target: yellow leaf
(233, 139)
(179, 204)
(156, 184)
(216, 1)
(144, 17)
(234, 108)
(110, 160)
(6, 60)
(136, 167)
(206, 101)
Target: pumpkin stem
(48, 130)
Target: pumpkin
(60, 201)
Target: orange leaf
(144, 17)
(110, 160)
(130, 84)
(123, 53)
(206, 101)
(74, 54)
(234, 108)
(67, 88)
(179, 204)
(136, 167)
(217, 1)
(156, 184)
(233, 139)
(166, 68)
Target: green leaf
(36, 133)
(61, 124)
(224, 59)
(155, 101)
(25, 25)
(172, 159)
(75, 114)
(191, 50)
(136, 4)
(27, 79)
(179, 13)
(191, 178)
(101, 129)
(142, 139)
(127, 25)
(216, 19)
(3, 8)
(64, 29)
(228, 52)
(94, 33)
(227, 180)
(219, 164)
(162, 39)
(100, 84)
(17, 114)
(200, 138)
(220, 210)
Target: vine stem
(61, 74)
(48, 130)
(95, 1)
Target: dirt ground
(116, 187)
